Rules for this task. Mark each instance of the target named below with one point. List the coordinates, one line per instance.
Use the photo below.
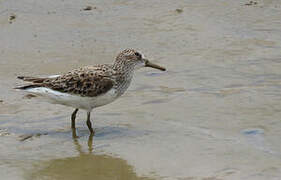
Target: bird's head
(129, 58)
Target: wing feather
(87, 81)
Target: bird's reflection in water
(85, 166)
(78, 146)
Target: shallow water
(215, 114)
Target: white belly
(76, 101)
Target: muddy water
(215, 114)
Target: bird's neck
(124, 67)
(124, 75)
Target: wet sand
(215, 114)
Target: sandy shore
(215, 114)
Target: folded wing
(86, 81)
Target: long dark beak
(149, 64)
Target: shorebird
(91, 86)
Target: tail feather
(25, 87)
(20, 77)
(32, 79)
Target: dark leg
(73, 116)
(89, 123)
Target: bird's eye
(138, 54)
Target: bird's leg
(89, 124)
(73, 117)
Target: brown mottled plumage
(87, 81)
(91, 86)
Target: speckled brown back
(87, 81)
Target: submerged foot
(74, 135)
